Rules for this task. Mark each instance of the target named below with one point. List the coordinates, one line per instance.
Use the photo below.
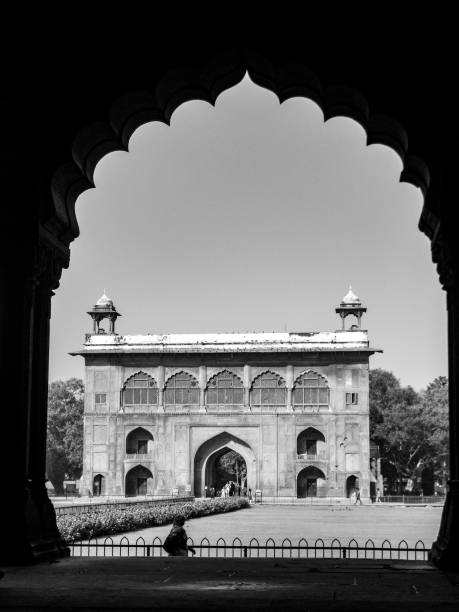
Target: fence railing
(254, 549)
(95, 506)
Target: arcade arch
(208, 454)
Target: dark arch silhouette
(139, 481)
(39, 234)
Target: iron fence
(254, 549)
(95, 506)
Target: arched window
(182, 388)
(310, 389)
(225, 388)
(268, 389)
(140, 389)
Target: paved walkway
(228, 584)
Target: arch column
(444, 550)
(28, 530)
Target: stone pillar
(289, 384)
(160, 382)
(28, 530)
(444, 550)
(247, 383)
(202, 387)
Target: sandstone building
(160, 410)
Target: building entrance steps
(177, 583)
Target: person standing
(357, 497)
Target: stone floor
(228, 584)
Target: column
(160, 382)
(444, 549)
(289, 385)
(247, 384)
(202, 387)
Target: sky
(254, 216)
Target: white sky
(254, 216)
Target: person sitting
(176, 542)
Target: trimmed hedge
(109, 521)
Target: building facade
(161, 410)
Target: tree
(231, 465)
(410, 428)
(64, 456)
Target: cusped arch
(311, 388)
(136, 108)
(311, 374)
(139, 389)
(139, 373)
(181, 388)
(268, 389)
(225, 388)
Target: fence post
(344, 552)
(245, 551)
(148, 551)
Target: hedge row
(108, 521)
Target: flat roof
(356, 340)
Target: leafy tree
(64, 456)
(410, 428)
(231, 466)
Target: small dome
(104, 301)
(350, 298)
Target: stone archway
(211, 450)
(43, 235)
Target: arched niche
(139, 442)
(138, 482)
(98, 485)
(311, 443)
(310, 482)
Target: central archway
(223, 467)
(207, 455)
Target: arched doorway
(98, 485)
(223, 467)
(139, 442)
(211, 452)
(352, 484)
(139, 481)
(310, 482)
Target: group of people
(230, 489)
